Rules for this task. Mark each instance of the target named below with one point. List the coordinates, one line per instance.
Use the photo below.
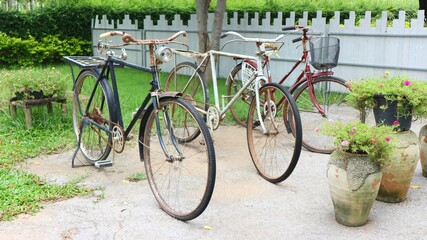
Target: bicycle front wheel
(275, 150)
(95, 144)
(181, 174)
(330, 94)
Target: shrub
(29, 51)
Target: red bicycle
(319, 95)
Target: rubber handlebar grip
(288, 28)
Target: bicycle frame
(256, 79)
(305, 76)
(108, 72)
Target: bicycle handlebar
(297, 27)
(297, 39)
(262, 40)
(287, 28)
(127, 38)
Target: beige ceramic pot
(397, 175)
(354, 182)
(422, 137)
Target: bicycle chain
(117, 131)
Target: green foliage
(26, 80)
(17, 51)
(359, 138)
(50, 133)
(22, 192)
(73, 18)
(410, 94)
(139, 176)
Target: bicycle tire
(95, 144)
(334, 105)
(191, 82)
(183, 188)
(240, 108)
(275, 154)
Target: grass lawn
(21, 192)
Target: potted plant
(32, 83)
(394, 99)
(354, 169)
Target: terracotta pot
(354, 182)
(397, 175)
(422, 137)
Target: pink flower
(354, 128)
(407, 83)
(381, 84)
(344, 143)
(395, 122)
(351, 133)
(387, 139)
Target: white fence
(367, 49)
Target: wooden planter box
(27, 104)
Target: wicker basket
(324, 52)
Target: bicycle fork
(268, 106)
(168, 122)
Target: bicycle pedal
(103, 164)
(256, 123)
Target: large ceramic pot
(353, 181)
(422, 137)
(397, 175)
(385, 112)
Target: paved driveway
(244, 206)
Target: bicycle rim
(235, 82)
(184, 78)
(330, 94)
(95, 144)
(276, 152)
(182, 188)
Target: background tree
(423, 6)
(206, 43)
(202, 10)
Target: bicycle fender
(169, 94)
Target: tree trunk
(10, 4)
(202, 9)
(217, 25)
(423, 6)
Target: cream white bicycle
(274, 132)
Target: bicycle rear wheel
(275, 153)
(235, 81)
(183, 183)
(190, 81)
(95, 144)
(330, 93)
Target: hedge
(26, 52)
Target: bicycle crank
(214, 118)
